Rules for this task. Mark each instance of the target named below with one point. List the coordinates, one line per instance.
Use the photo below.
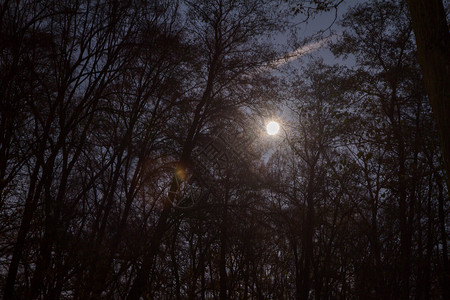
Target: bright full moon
(272, 128)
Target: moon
(272, 128)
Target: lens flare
(180, 173)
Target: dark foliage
(133, 162)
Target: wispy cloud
(291, 56)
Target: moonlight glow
(272, 128)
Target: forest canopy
(134, 161)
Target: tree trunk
(223, 250)
(298, 272)
(445, 276)
(31, 203)
(140, 282)
(308, 234)
(433, 50)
